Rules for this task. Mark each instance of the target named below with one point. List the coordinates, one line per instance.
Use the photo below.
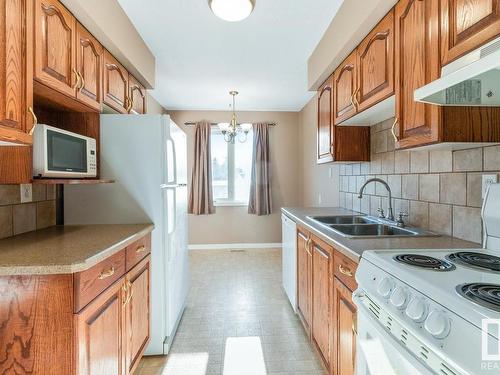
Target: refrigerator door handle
(171, 142)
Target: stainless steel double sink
(362, 226)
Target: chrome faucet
(390, 214)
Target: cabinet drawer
(92, 282)
(138, 251)
(344, 270)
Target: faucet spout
(390, 214)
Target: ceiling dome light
(232, 10)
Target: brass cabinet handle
(35, 120)
(125, 292)
(140, 249)
(354, 327)
(352, 100)
(345, 271)
(306, 246)
(392, 130)
(77, 83)
(131, 104)
(105, 274)
(129, 292)
(356, 98)
(82, 84)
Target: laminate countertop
(354, 247)
(66, 249)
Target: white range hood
(472, 80)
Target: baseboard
(235, 246)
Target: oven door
(378, 353)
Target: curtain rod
(192, 123)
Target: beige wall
(317, 187)
(153, 107)
(234, 224)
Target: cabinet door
(137, 96)
(466, 25)
(137, 313)
(325, 123)
(115, 84)
(344, 329)
(16, 70)
(304, 278)
(344, 86)
(417, 63)
(99, 334)
(375, 60)
(54, 46)
(322, 274)
(89, 65)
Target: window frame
(230, 201)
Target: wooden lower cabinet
(304, 262)
(322, 277)
(324, 296)
(99, 334)
(41, 333)
(344, 330)
(136, 314)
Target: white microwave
(63, 154)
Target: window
(231, 169)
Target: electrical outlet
(320, 198)
(487, 180)
(26, 193)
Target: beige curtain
(260, 202)
(201, 201)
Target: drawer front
(344, 270)
(138, 251)
(92, 282)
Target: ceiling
(200, 57)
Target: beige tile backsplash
(17, 218)
(441, 190)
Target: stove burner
(476, 260)
(424, 261)
(485, 295)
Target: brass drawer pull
(140, 249)
(345, 271)
(105, 274)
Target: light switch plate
(26, 193)
(320, 198)
(487, 180)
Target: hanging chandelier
(233, 130)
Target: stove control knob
(399, 297)
(416, 310)
(385, 287)
(437, 324)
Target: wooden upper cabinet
(344, 87)
(137, 96)
(115, 84)
(466, 25)
(16, 71)
(304, 262)
(99, 334)
(322, 290)
(325, 125)
(137, 313)
(375, 63)
(89, 59)
(344, 329)
(417, 63)
(54, 46)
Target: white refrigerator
(146, 156)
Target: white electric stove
(432, 311)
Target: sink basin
(375, 230)
(328, 220)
